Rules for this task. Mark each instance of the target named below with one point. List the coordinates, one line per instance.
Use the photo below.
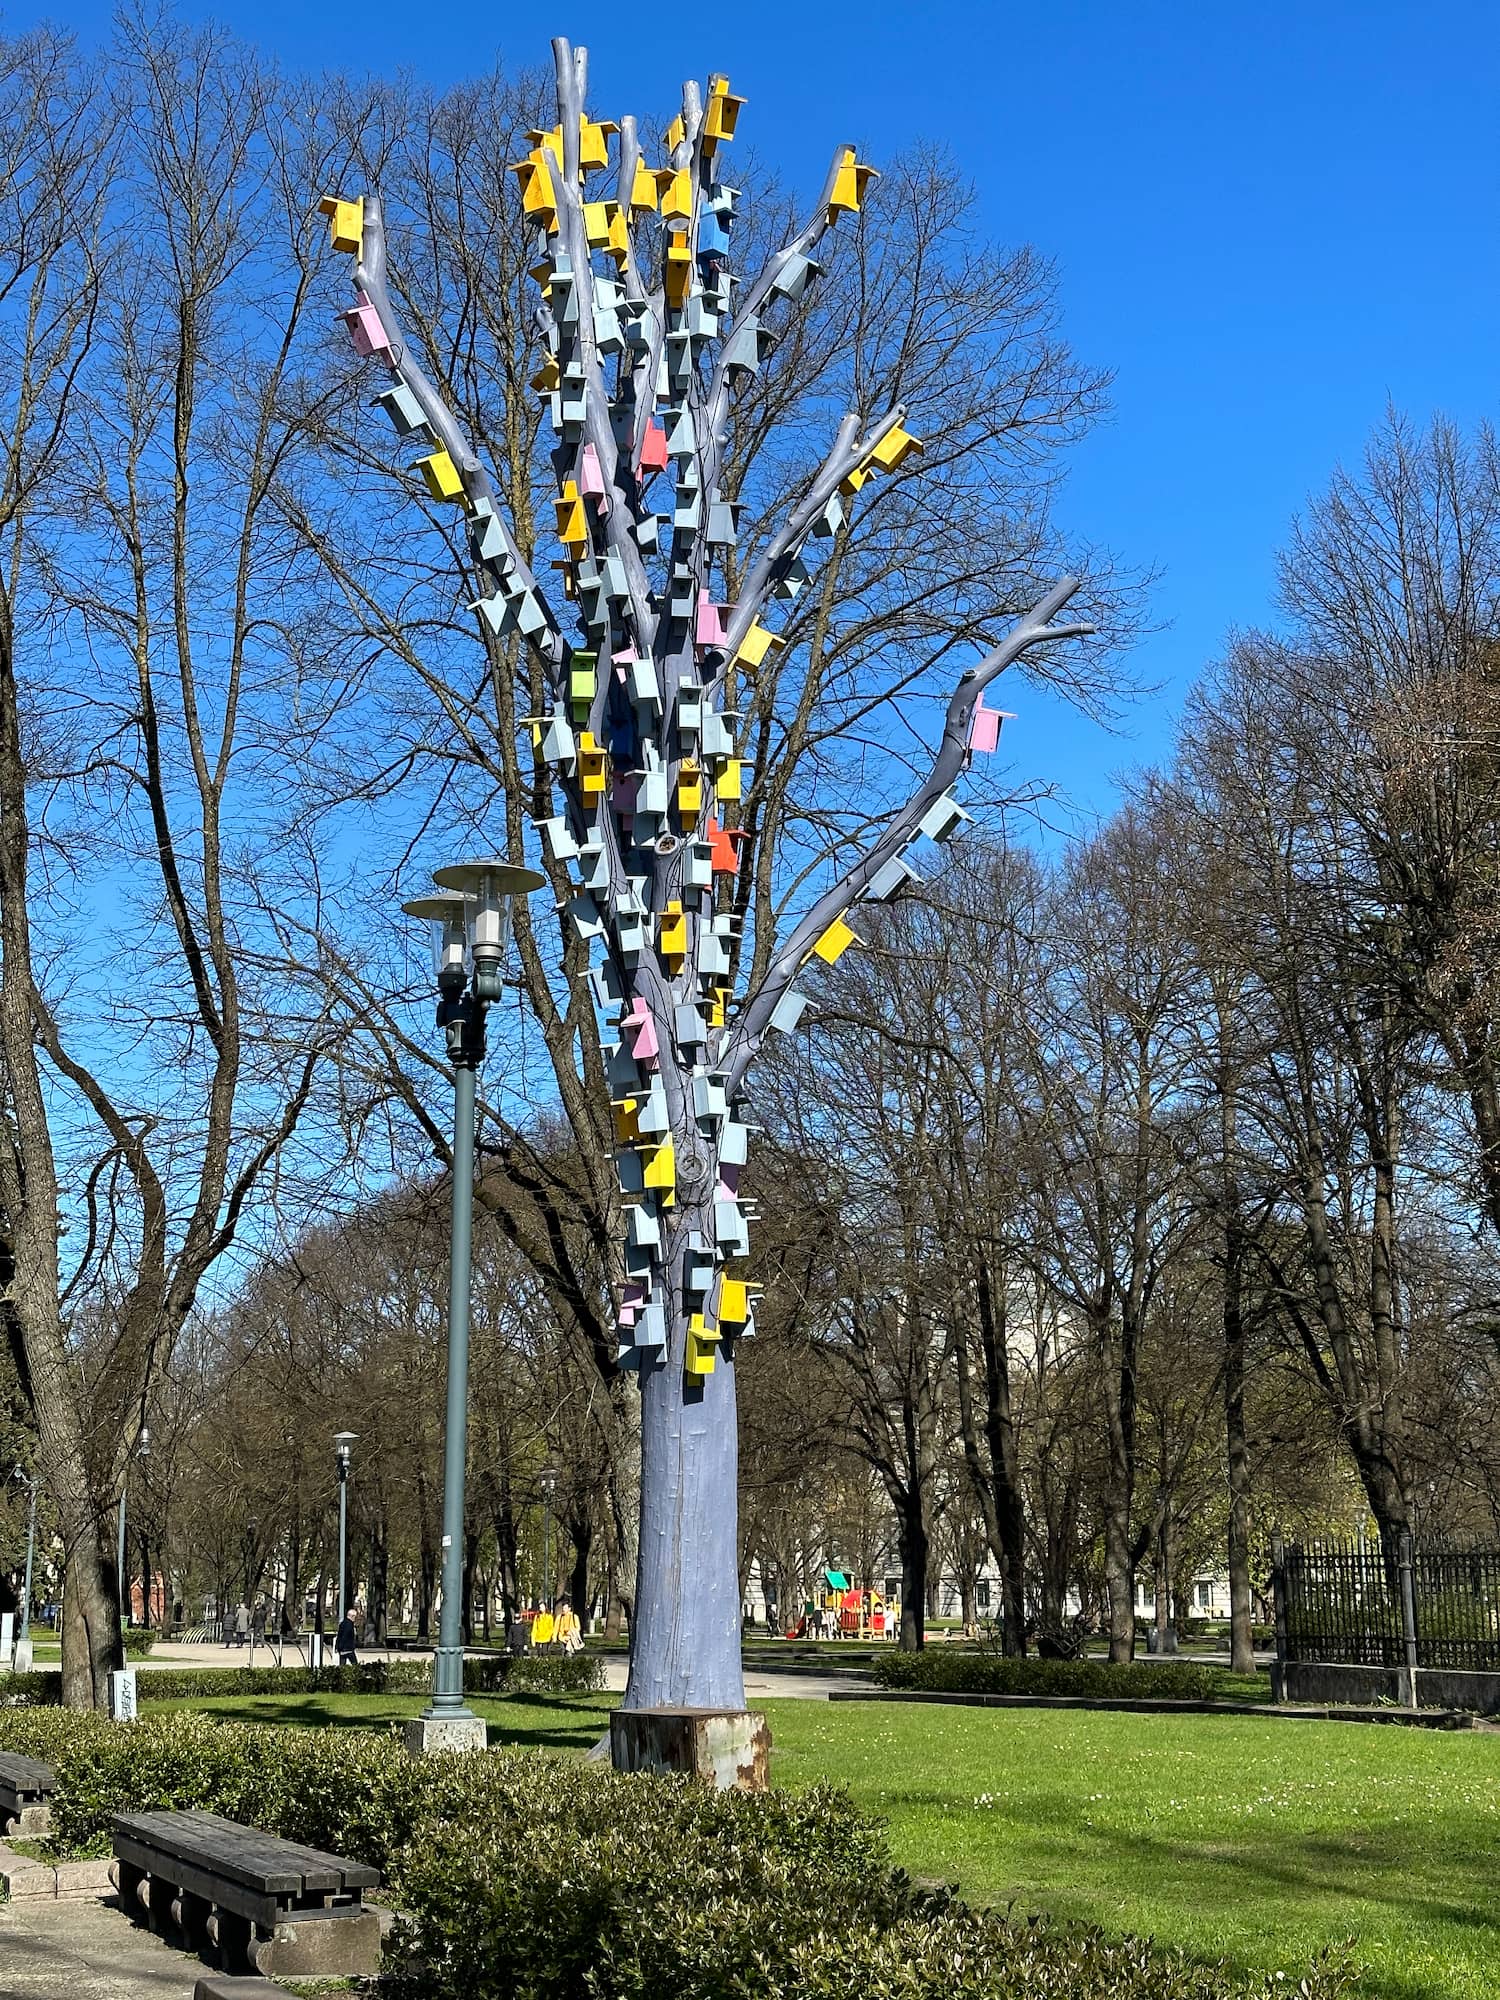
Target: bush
(494, 1674)
(941, 1671)
(519, 1873)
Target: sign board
(315, 1650)
(122, 1695)
(23, 1656)
(7, 1636)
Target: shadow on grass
(527, 1721)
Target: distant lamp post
(549, 1494)
(23, 1637)
(142, 1450)
(342, 1442)
(470, 925)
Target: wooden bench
(246, 1898)
(26, 1788)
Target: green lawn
(1225, 1835)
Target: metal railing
(1361, 1603)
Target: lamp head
(489, 884)
(143, 1442)
(448, 917)
(341, 1443)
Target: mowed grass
(1256, 1841)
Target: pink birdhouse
(365, 328)
(641, 1029)
(984, 727)
(591, 479)
(710, 630)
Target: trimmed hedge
(494, 1674)
(939, 1670)
(518, 1873)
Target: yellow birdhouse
(675, 134)
(548, 377)
(718, 1006)
(538, 197)
(593, 766)
(441, 476)
(689, 792)
(677, 278)
(661, 1166)
(849, 186)
(734, 1301)
(593, 143)
(617, 243)
(721, 112)
(572, 522)
(346, 220)
(834, 942)
(598, 220)
(730, 783)
(643, 189)
(755, 645)
(627, 1121)
(700, 1358)
(672, 937)
(895, 448)
(676, 186)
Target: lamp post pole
(341, 1446)
(549, 1489)
(471, 922)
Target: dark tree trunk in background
(380, 1572)
(471, 1565)
(1237, 1450)
(911, 1534)
(581, 1533)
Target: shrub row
(523, 1874)
(941, 1670)
(489, 1674)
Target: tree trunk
(912, 1541)
(685, 1634)
(1119, 1576)
(1241, 1638)
(471, 1564)
(581, 1533)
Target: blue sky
(1268, 221)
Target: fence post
(1408, 1620)
(1278, 1602)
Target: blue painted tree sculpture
(649, 337)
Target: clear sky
(1268, 221)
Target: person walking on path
(242, 1625)
(344, 1640)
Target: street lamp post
(549, 1494)
(342, 1442)
(470, 923)
(22, 1656)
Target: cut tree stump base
(729, 1748)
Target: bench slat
(27, 1774)
(245, 1854)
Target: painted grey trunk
(685, 1639)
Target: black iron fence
(1358, 1603)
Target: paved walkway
(761, 1686)
(83, 1948)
